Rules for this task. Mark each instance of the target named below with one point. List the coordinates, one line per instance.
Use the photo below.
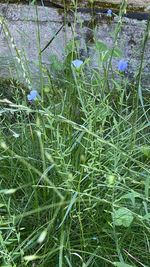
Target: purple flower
(109, 13)
(32, 96)
(122, 65)
(77, 63)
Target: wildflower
(122, 65)
(77, 63)
(32, 96)
(109, 13)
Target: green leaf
(71, 46)
(73, 200)
(145, 149)
(146, 217)
(117, 53)
(122, 217)
(121, 264)
(111, 179)
(147, 187)
(105, 55)
(56, 64)
(131, 195)
(71, 56)
(101, 47)
(142, 101)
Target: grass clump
(75, 173)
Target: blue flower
(109, 13)
(77, 63)
(32, 96)
(122, 65)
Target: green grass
(74, 171)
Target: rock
(131, 4)
(23, 24)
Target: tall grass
(74, 169)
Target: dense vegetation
(74, 165)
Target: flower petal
(77, 63)
(109, 12)
(34, 93)
(29, 97)
(32, 96)
(122, 65)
